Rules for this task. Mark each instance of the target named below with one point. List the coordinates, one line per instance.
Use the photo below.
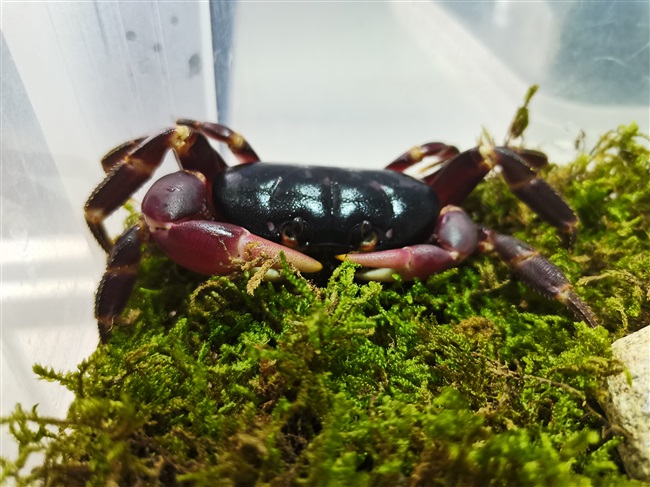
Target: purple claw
(409, 262)
(214, 248)
(456, 237)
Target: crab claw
(415, 261)
(215, 248)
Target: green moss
(465, 379)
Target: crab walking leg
(118, 280)
(456, 180)
(455, 234)
(536, 193)
(119, 153)
(237, 144)
(442, 152)
(197, 154)
(125, 177)
(536, 271)
(130, 165)
(533, 158)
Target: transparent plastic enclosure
(346, 84)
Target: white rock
(629, 404)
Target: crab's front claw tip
(386, 258)
(254, 247)
(301, 261)
(378, 266)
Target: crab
(215, 219)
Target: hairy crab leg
(536, 271)
(197, 154)
(441, 151)
(124, 178)
(118, 280)
(237, 144)
(536, 193)
(459, 176)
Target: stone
(628, 406)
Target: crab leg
(128, 170)
(118, 280)
(237, 144)
(460, 175)
(456, 236)
(131, 164)
(536, 271)
(177, 218)
(119, 153)
(443, 152)
(536, 193)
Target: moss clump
(465, 379)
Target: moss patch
(467, 378)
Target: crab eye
(364, 237)
(295, 233)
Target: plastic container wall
(360, 83)
(77, 79)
